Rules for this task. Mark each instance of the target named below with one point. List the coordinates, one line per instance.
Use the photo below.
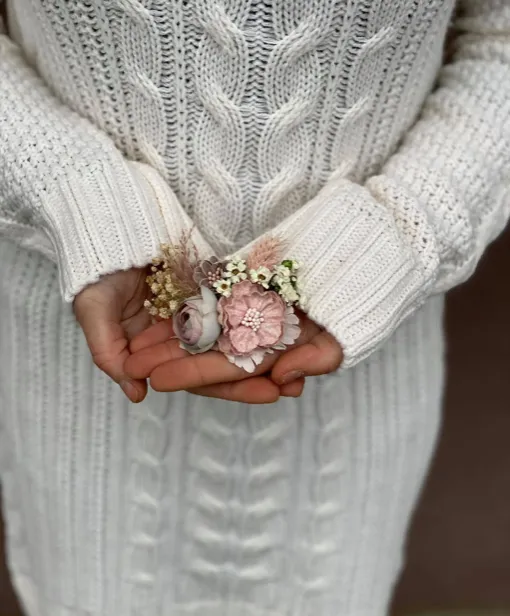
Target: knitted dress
(330, 122)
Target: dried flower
(223, 287)
(196, 322)
(171, 279)
(262, 276)
(282, 272)
(209, 271)
(236, 270)
(289, 293)
(266, 253)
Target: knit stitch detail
(176, 507)
(220, 79)
(308, 119)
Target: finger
(141, 364)
(158, 348)
(321, 355)
(309, 329)
(255, 390)
(205, 369)
(156, 334)
(293, 389)
(201, 370)
(135, 325)
(163, 331)
(107, 342)
(135, 390)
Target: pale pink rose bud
(196, 322)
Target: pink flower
(196, 322)
(255, 322)
(208, 271)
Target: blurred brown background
(459, 549)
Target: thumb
(100, 319)
(321, 355)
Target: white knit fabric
(189, 507)
(122, 123)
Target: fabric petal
(270, 333)
(235, 309)
(244, 340)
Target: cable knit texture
(186, 507)
(125, 122)
(255, 117)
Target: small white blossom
(288, 293)
(223, 287)
(164, 313)
(235, 266)
(236, 277)
(278, 281)
(236, 270)
(262, 276)
(282, 272)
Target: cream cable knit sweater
(122, 121)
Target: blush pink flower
(196, 322)
(255, 322)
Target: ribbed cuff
(110, 218)
(360, 274)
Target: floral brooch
(243, 308)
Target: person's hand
(158, 356)
(111, 313)
(158, 343)
(316, 353)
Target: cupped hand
(156, 354)
(158, 344)
(315, 354)
(111, 313)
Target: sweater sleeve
(66, 191)
(373, 253)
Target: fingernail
(292, 395)
(129, 389)
(292, 376)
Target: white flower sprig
(223, 287)
(262, 276)
(285, 281)
(281, 278)
(236, 270)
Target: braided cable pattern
(151, 448)
(238, 499)
(248, 109)
(326, 465)
(142, 62)
(221, 73)
(292, 90)
(399, 95)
